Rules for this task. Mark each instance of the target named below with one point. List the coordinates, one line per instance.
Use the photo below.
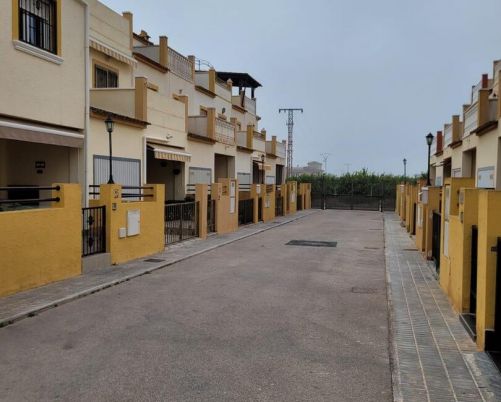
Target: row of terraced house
(114, 145)
(456, 218)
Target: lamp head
(110, 124)
(429, 139)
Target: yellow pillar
(201, 196)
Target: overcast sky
(373, 77)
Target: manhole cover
(363, 290)
(154, 260)
(312, 243)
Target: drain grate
(372, 248)
(312, 243)
(154, 260)
(410, 249)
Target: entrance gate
(181, 221)
(435, 242)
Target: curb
(392, 345)
(75, 296)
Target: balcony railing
(241, 137)
(470, 120)
(225, 132)
(180, 65)
(198, 125)
(448, 135)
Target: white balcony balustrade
(180, 65)
(225, 132)
(470, 119)
(198, 125)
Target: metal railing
(245, 211)
(25, 196)
(93, 230)
(244, 187)
(225, 132)
(181, 221)
(191, 188)
(131, 193)
(180, 65)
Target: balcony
(212, 128)
(252, 140)
(180, 65)
(275, 148)
(225, 132)
(121, 101)
(470, 119)
(198, 125)
(244, 102)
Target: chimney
(144, 35)
(130, 18)
(485, 81)
(440, 142)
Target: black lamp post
(429, 141)
(405, 170)
(109, 127)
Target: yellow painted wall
(40, 246)
(226, 221)
(489, 229)
(151, 238)
(268, 203)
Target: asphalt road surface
(256, 320)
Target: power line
(325, 156)
(290, 139)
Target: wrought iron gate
(181, 221)
(93, 230)
(245, 211)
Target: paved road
(256, 320)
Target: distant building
(311, 168)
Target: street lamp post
(109, 127)
(429, 141)
(405, 170)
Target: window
(38, 23)
(105, 78)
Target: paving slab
(433, 357)
(34, 301)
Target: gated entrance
(473, 274)
(93, 230)
(279, 205)
(299, 202)
(181, 221)
(435, 239)
(415, 219)
(245, 211)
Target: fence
(129, 193)
(245, 211)
(373, 197)
(93, 230)
(181, 222)
(25, 197)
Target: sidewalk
(34, 301)
(433, 358)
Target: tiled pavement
(31, 302)
(433, 358)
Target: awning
(13, 130)
(168, 153)
(101, 47)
